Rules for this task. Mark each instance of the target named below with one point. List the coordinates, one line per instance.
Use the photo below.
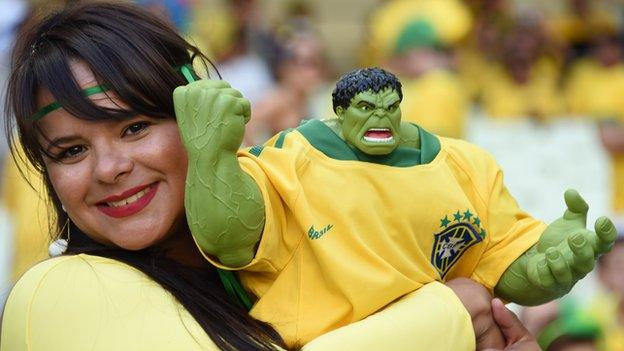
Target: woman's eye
(71, 152)
(135, 128)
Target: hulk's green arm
(564, 254)
(224, 206)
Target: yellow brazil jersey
(346, 233)
(84, 302)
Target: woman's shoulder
(60, 273)
(50, 288)
(89, 300)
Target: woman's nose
(112, 165)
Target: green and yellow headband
(186, 70)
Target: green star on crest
(467, 215)
(444, 222)
(476, 221)
(457, 216)
(482, 233)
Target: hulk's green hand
(224, 207)
(564, 254)
(210, 112)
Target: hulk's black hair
(359, 80)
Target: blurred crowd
(541, 62)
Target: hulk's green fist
(210, 112)
(564, 254)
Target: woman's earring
(59, 246)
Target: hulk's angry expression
(371, 122)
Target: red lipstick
(131, 208)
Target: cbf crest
(460, 231)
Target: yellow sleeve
(431, 318)
(510, 231)
(81, 302)
(44, 311)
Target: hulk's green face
(371, 122)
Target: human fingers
(517, 336)
(508, 322)
(606, 233)
(558, 267)
(576, 206)
(582, 254)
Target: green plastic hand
(223, 204)
(211, 112)
(564, 254)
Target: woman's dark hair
(136, 56)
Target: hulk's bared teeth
(130, 199)
(378, 140)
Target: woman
(91, 92)
(104, 159)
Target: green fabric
(186, 70)
(234, 288)
(56, 105)
(280, 139)
(325, 140)
(256, 150)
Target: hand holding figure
(517, 337)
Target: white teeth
(379, 130)
(378, 140)
(130, 199)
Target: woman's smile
(129, 202)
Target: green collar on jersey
(325, 140)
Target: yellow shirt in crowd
(437, 101)
(451, 20)
(503, 97)
(596, 91)
(345, 236)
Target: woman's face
(121, 182)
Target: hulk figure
(340, 217)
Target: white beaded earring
(59, 246)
